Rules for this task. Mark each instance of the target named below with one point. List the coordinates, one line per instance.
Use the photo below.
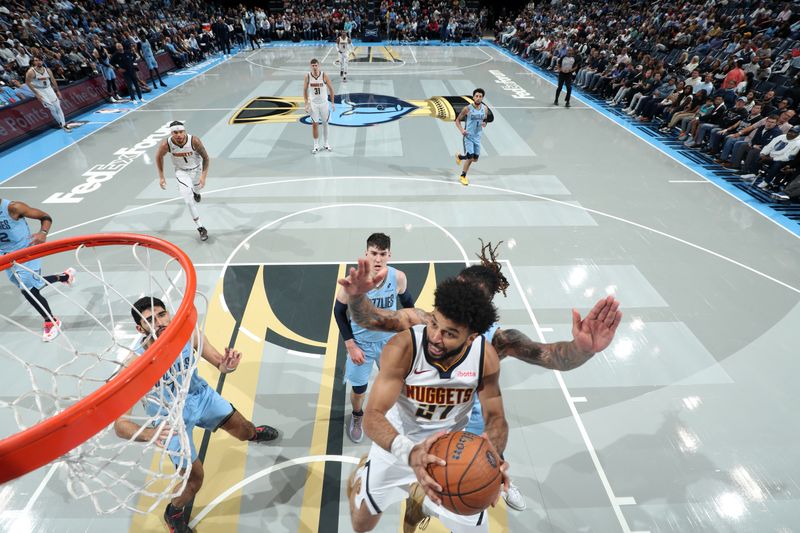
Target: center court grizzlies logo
(353, 110)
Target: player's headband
(177, 127)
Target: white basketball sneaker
(514, 498)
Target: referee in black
(566, 71)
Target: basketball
(471, 479)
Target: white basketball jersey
(317, 90)
(41, 80)
(342, 45)
(435, 398)
(184, 157)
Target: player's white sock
(325, 133)
(193, 210)
(197, 221)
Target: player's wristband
(224, 369)
(43, 231)
(401, 448)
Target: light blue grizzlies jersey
(383, 297)
(172, 380)
(475, 119)
(14, 234)
(489, 334)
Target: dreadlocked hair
(488, 272)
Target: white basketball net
(98, 337)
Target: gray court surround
(683, 424)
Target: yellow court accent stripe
(425, 299)
(219, 335)
(386, 55)
(370, 54)
(312, 489)
(226, 458)
(498, 518)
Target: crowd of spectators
(77, 39)
(422, 20)
(721, 76)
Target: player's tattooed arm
(589, 335)
(200, 148)
(366, 315)
(555, 356)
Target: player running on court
(16, 235)
(343, 45)
(191, 162)
(475, 118)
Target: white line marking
(580, 99)
(575, 415)
(267, 471)
(337, 206)
(354, 67)
(121, 115)
(413, 54)
(327, 54)
(547, 330)
(450, 184)
(304, 354)
(578, 399)
(689, 181)
(29, 187)
(222, 302)
(250, 334)
(626, 500)
(40, 488)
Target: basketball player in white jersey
(343, 44)
(428, 377)
(191, 168)
(44, 86)
(317, 90)
(591, 334)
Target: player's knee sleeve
(359, 389)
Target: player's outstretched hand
(595, 332)
(163, 183)
(419, 459)
(230, 361)
(360, 281)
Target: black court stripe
(332, 478)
